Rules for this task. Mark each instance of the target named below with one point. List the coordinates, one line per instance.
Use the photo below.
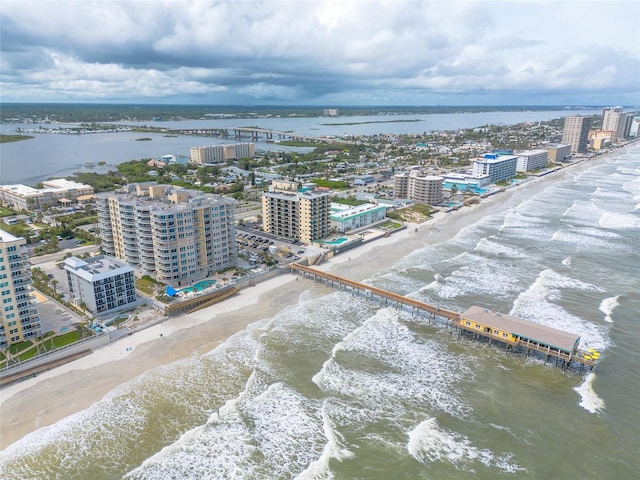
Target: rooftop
(523, 328)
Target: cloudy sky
(331, 52)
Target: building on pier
(517, 331)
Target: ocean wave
(607, 306)
(589, 400)
(536, 304)
(382, 365)
(617, 220)
(429, 443)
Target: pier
(517, 334)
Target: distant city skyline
(333, 53)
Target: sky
(331, 52)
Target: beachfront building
(599, 139)
(23, 197)
(420, 188)
(345, 218)
(299, 214)
(178, 235)
(615, 120)
(498, 167)
(529, 160)
(215, 154)
(101, 284)
(558, 152)
(576, 132)
(19, 320)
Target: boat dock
(515, 333)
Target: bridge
(254, 133)
(516, 333)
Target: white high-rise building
(19, 320)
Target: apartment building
(296, 214)
(28, 198)
(498, 167)
(345, 218)
(19, 320)
(420, 188)
(102, 284)
(576, 132)
(558, 152)
(214, 154)
(529, 160)
(178, 235)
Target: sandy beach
(55, 394)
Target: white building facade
(498, 167)
(19, 320)
(345, 218)
(102, 284)
(529, 160)
(28, 198)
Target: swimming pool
(337, 241)
(199, 286)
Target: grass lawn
(147, 285)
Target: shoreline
(57, 393)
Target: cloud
(347, 52)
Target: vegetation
(416, 213)
(350, 200)
(13, 138)
(148, 285)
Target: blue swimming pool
(199, 286)
(337, 241)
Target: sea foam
(589, 400)
(607, 306)
(429, 443)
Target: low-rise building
(558, 152)
(345, 218)
(24, 197)
(101, 284)
(363, 179)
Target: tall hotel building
(175, 234)
(420, 188)
(576, 132)
(498, 167)
(214, 154)
(296, 214)
(19, 318)
(614, 120)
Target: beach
(53, 395)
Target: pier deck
(515, 333)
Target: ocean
(340, 387)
